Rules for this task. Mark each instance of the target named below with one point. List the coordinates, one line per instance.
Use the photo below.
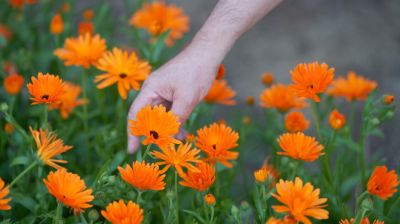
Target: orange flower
(69, 100)
(299, 201)
(388, 99)
(190, 138)
(267, 78)
(48, 147)
(85, 27)
(56, 24)
(299, 146)
(363, 221)
(8, 128)
(88, 14)
(16, 3)
(209, 199)
(336, 120)
(311, 79)
(281, 98)
(69, 189)
(157, 125)
(47, 89)
(120, 213)
(216, 141)
(261, 175)
(220, 93)
(220, 72)
(123, 68)
(158, 17)
(83, 51)
(143, 176)
(353, 88)
(265, 172)
(286, 220)
(383, 183)
(65, 7)
(250, 100)
(4, 191)
(199, 181)
(5, 32)
(184, 156)
(296, 122)
(13, 83)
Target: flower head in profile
(311, 79)
(286, 220)
(296, 122)
(221, 93)
(199, 181)
(121, 68)
(46, 89)
(299, 146)
(267, 78)
(56, 24)
(48, 147)
(157, 17)
(281, 98)
(85, 27)
(13, 83)
(69, 189)
(383, 183)
(354, 87)
(157, 126)
(388, 99)
(4, 191)
(216, 141)
(143, 176)
(336, 120)
(363, 221)
(265, 172)
(69, 100)
(119, 212)
(83, 51)
(300, 201)
(183, 157)
(209, 199)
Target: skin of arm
(182, 82)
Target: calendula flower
(157, 17)
(88, 14)
(220, 92)
(311, 79)
(299, 146)
(8, 128)
(300, 202)
(143, 176)
(120, 213)
(85, 27)
(296, 122)
(17, 4)
(56, 24)
(336, 120)
(383, 183)
(5, 32)
(125, 69)
(388, 99)
(83, 51)
(353, 87)
(209, 199)
(46, 89)
(4, 191)
(13, 83)
(363, 221)
(69, 100)
(157, 125)
(281, 98)
(267, 78)
(69, 189)
(250, 100)
(216, 141)
(220, 72)
(184, 156)
(265, 172)
(48, 147)
(199, 181)
(286, 220)
(261, 175)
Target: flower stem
(212, 214)
(84, 94)
(176, 197)
(30, 167)
(45, 117)
(139, 196)
(146, 151)
(58, 216)
(316, 120)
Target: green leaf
(20, 160)
(197, 216)
(157, 48)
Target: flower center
(123, 75)
(214, 147)
(45, 97)
(311, 86)
(154, 134)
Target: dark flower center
(214, 147)
(45, 97)
(310, 86)
(154, 134)
(123, 75)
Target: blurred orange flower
(265, 172)
(281, 98)
(4, 191)
(300, 202)
(13, 83)
(69, 189)
(250, 100)
(220, 92)
(267, 78)
(88, 14)
(65, 7)
(285, 220)
(296, 122)
(5, 32)
(56, 24)
(85, 27)
(120, 213)
(220, 72)
(363, 221)
(209, 199)
(46, 89)
(199, 181)
(311, 79)
(388, 99)
(143, 176)
(299, 146)
(383, 183)
(125, 69)
(336, 120)
(8, 128)
(353, 88)
(16, 3)
(69, 100)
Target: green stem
(212, 214)
(316, 120)
(45, 117)
(30, 167)
(139, 196)
(139, 154)
(362, 160)
(58, 216)
(351, 118)
(84, 94)
(176, 197)
(12, 104)
(146, 151)
(83, 219)
(295, 167)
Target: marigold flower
(13, 83)
(120, 213)
(158, 17)
(48, 147)
(285, 220)
(88, 14)
(300, 202)
(17, 4)
(199, 181)
(388, 99)
(383, 183)
(216, 141)
(281, 98)
(69, 100)
(220, 92)
(69, 189)
(85, 27)
(56, 24)
(267, 78)
(353, 87)
(5, 32)
(8, 128)
(363, 221)
(46, 89)
(265, 172)
(250, 100)
(143, 176)
(84, 50)
(184, 156)
(261, 175)
(209, 199)
(157, 125)
(220, 72)
(4, 191)
(123, 68)
(336, 120)
(296, 122)
(299, 146)
(311, 79)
